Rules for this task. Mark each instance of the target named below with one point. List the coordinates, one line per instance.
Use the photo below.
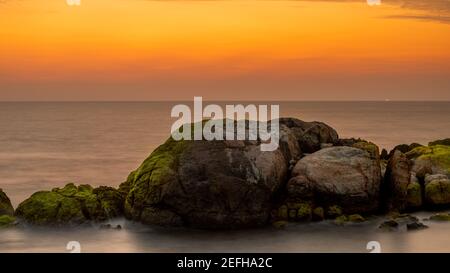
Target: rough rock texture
(310, 135)
(396, 182)
(414, 198)
(437, 192)
(430, 160)
(71, 205)
(219, 184)
(346, 176)
(5, 205)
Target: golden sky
(236, 49)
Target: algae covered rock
(5, 205)
(445, 142)
(71, 205)
(414, 195)
(430, 160)
(437, 192)
(219, 184)
(344, 176)
(445, 217)
(6, 221)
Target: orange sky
(249, 50)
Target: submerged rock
(344, 176)
(7, 221)
(219, 184)
(440, 217)
(71, 205)
(415, 226)
(5, 205)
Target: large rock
(445, 141)
(396, 181)
(344, 176)
(310, 135)
(404, 148)
(437, 192)
(430, 160)
(71, 205)
(218, 184)
(5, 205)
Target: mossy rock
(341, 220)
(440, 217)
(445, 142)
(437, 155)
(437, 193)
(334, 211)
(71, 206)
(304, 213)
(414, 196)
(5, 205)
(6, 221)
(318, 214)
(369, 147)
(280, 224)
(283, 212)
(292, 214)
(356, 218)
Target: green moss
(341, 220)
(369, 147)
(280, 224)
(304, 212)
(439, 155)
(142, 185)
(437, 192)
(6, 221)
(334, 211)
(356, 218)
(318, 214)
(5, 204)
(440, 217)
(283, 212)
(414, 195)
(71, 205)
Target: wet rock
(415, 226)
(437, 193)
(71, 205)
(318, 214)
(440, 217)
(389, 225)
(219, 184)
(7, 221)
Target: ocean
(48, 144)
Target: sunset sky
(227, 50)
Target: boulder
(6, 221)
(71, 205)
(396, 181)
(220, 184)
(5, 205)
(437, 193)
(343, 176)
(430, 160)
(310, 135)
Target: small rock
(280, 224)
(440, 217)
(341, 220)
(334, 211)
(356, 218)
(415, 226)
(389, 225)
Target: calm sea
(45, 145)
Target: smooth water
(46, 145)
